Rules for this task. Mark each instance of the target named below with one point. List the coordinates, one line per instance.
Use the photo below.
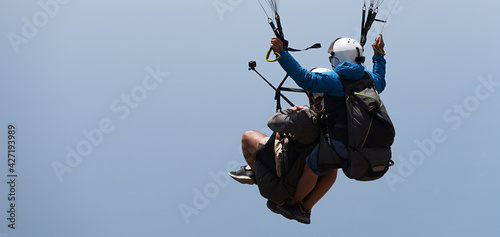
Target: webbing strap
(278, 31)
(366, 24)
(314, 46)
(278, 93)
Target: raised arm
(328, 83)
(379, 63)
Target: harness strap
(366, 25)
(278, 93)
(314, 46)
(278, 31)
(369, 21)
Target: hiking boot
(295, 212)
(272, 206)
(245, 175)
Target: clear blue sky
(128, 115)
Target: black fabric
(361, 163)
(327, 157)
(334, 125)
(272, 187)
(336, 117)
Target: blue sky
(128, 115)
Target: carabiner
(278, 56)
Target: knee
(250, 136)
(246, 137)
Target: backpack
(370, 134)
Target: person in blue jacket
(346, 58)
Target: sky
(126, 116)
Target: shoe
(272, 206)
(245, 175)
(295, 212)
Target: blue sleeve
(328, 83)
(378, 73)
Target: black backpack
(370, 134)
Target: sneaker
(295, 212)
(245, 175)
(272, 206)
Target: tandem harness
(359, 120)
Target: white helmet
(320, 70)
(345, 50)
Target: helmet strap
(359, 58)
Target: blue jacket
(329, 82)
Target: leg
(250, 145)
(307, 183)
(324, 184)
(295, 209)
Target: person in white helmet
(346, 58)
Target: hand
(378, 45)
(276, 44)
(295, 109)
